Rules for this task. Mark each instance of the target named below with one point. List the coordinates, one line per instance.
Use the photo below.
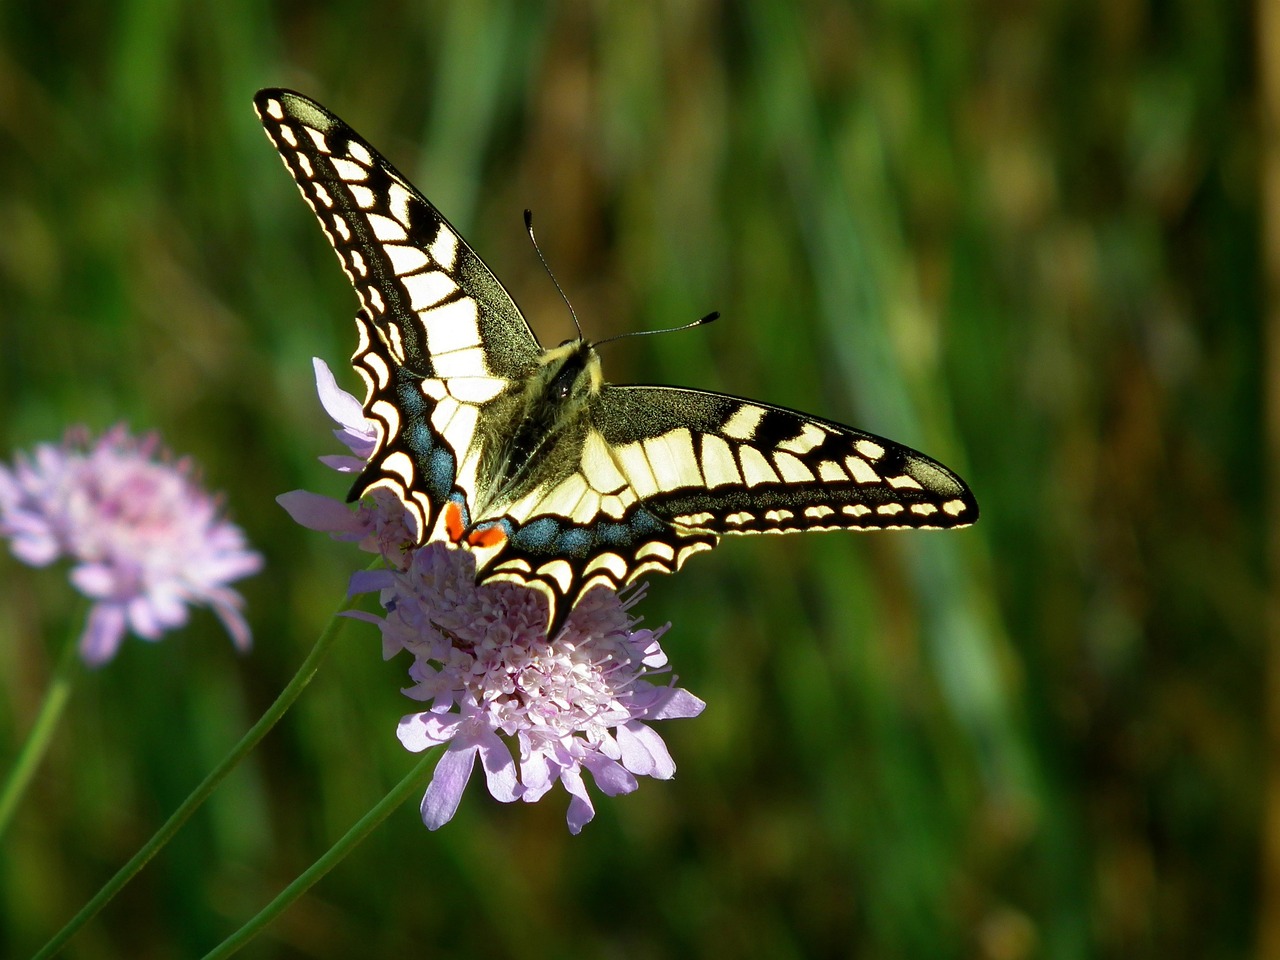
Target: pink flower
(493, 680)
(145, 540)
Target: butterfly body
(552, 476)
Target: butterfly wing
(663, 472)
(435, 326)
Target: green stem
(201, 793)
(399, 793)
(38, 740)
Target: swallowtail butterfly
(553, 477)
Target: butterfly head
(568, 376)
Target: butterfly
(553, 477)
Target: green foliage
(1020, 237)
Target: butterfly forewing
(439, 308)
(432, 314)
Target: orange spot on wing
(453, 521)
(488, 537)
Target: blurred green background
(1023, 237)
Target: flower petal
(316, 512)
(103, 632)
(444, 793)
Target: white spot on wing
(587, 509)
(386, 229)
(861, 471)
(755, 468)
(475, 389)
(742, 425)
(672, 459)
(452, 326)
(274, 109)
(635, 463)
(317, 138)
(792, 468)
(399, 465)
(810, 436)
(610, 562)
(695, 519)
(363, 196)
(688, 550)
(598, 466)
(830, 471)
(387, 414)
(616, 505)
(718, 465)
(903, 481)
(656, 548)
(460, 363)
(360, 153)
(349, 171)
(378, 367)
(405, 259)
(559, 572)
(428, 289)
(399, 200)
(444, 248)
(869, 449)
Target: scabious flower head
(146, 541)
(492, 679)
(532, 709)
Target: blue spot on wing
(434, 460)
(545, 538)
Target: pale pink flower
(146, 541)
(493, 681)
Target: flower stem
(38, 740)
(206, 787)
(399, 793)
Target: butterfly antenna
(714, 315)
(528, 225)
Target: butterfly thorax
(532, 435)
